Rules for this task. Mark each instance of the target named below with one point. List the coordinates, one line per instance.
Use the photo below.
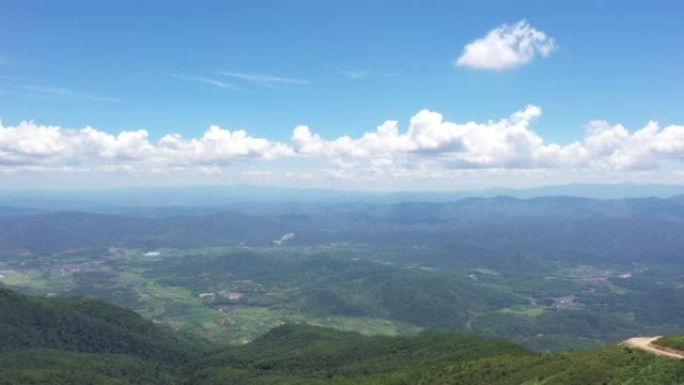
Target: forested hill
(312, 355)
(88, 326)
(315, 352)
(78, 341)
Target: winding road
(646, 344)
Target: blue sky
(341, 68)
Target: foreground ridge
(77, 342)
(647, 344)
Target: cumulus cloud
(429, 147)
(505, 47)
(614, 147)
(30, 144)
(506, 143)
(218, 145)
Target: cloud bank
(429, 146)
(506, 46)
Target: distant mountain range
(208, 196)
(568, 227)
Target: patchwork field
(235, 294)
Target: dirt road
(645, 343)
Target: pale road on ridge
(645, 343)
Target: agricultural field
(235, 294)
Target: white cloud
(264, 80)
(356, 75)
(366, 74)
(615, 148)
(50, 91)
(29, 144)
(507, 143)
(505, 47)
(205, 80)
(430, 147)
(218, 146)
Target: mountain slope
(54, 367)
(87, 326)
(301, 350)
(605, 365)
(82, 334)
(296, 354)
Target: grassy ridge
(48, 366)
(73, 341)
(605, 365)
(301, 350)
(312, 356)
(675, 342)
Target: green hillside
(605, 365)
(76, 341)
(305, 355)
(87, 326)
(46, 366)
(315, 352)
